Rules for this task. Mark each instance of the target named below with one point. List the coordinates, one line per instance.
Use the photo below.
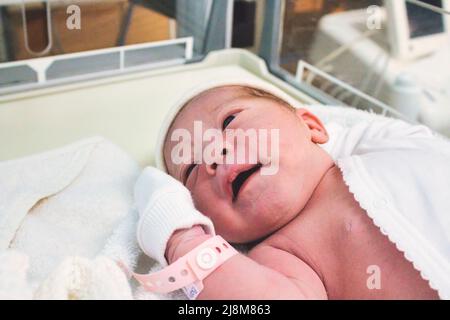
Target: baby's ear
(318, 132)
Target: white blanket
(57, 211)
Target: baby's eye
(188, 172)
(227, 121)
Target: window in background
(104, 24)
(301, 20)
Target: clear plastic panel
(145, 56)
(386, 56)
(28, 27)
(61, 39)
(17, 75)
(83, 65)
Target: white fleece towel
(65, 204)
(13, 276)
(66, 219)
(85, 279)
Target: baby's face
(244, 204)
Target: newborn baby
(311, 238)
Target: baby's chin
(276, 203)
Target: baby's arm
(266, 273)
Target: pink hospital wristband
(188, 271)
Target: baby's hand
(164, 206)
(182, 241)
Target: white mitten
(164, 205)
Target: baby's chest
(355, 259)
(369, 266)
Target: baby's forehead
(214, 99)
(207, 104)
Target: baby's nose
(211, 168)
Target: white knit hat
(196, 90)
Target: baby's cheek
(204, 202)
(221, 215)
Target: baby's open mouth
(241, 178)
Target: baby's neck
(326, 186)
(324, 177)
(313, 232)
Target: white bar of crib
(303, 66)
(41, 65)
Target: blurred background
(341, 52)
(109, 23)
